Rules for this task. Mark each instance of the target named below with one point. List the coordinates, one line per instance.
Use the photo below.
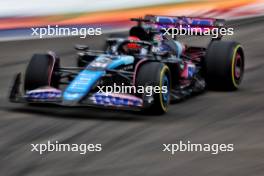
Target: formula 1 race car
(157, 72)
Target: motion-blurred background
(16, 16)
(132, 142)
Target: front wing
(49, 95)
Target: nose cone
(81, 85)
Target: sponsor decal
(45, 94)
(116, 99)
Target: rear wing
(182, 20)
(179, 22)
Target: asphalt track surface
(132, 142)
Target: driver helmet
(132, 47)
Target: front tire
(40, 72)
(156, 74)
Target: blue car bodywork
(84, 82)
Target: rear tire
(224, 65)
(40, 72)
(155, 74)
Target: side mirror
(81, 47)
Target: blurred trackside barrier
(20, 15)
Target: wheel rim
(238, 67)
(166, 83)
